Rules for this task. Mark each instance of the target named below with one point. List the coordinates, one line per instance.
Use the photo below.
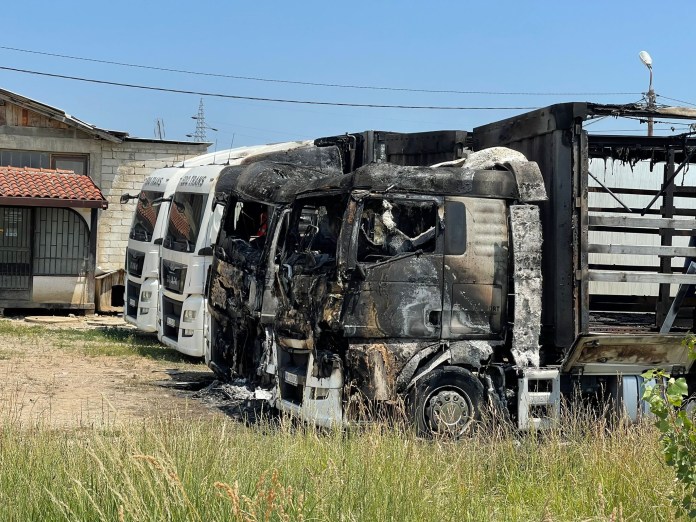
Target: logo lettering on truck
(153, 180)
(192, 181)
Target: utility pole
(647, 61)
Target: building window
(25, 158)
(78, 163)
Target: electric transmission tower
(199, 134)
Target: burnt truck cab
(390, 271)
(256, 197)
(253, 196)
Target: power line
(255, 98)
(314, 84)
(676, 100)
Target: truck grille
(134, 262)
(171, 315)
(132, 297)
(173, 276)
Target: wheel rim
(448, 411)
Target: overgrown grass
(107, 341)
(176, 469)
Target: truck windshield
(185, 216)
(145, 216)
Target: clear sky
(511, 46)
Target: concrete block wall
(124, 167)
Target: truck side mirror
(206, 251)
(125, 198)
(158, 241)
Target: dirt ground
(51, 381)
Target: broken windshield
(145, 216)
(185, 216)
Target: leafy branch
(666, 397)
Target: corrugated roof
(48, 188)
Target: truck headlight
(189, 316)
(145, 296)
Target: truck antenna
(231, 145)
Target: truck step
(538, 398)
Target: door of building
(15, 253)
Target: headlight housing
(189, 316)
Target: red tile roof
(48, 188)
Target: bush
(667, 398)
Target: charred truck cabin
(399, 285)
(241, 296)
(253, 196)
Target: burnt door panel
(475, 272)
(397, 279)
(15, 253)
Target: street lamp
(647, 61)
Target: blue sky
(540, 46)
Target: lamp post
(647, 61)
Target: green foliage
(667, 398)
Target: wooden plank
(631, 230)
(647, 250)
(639, 211)
(637, 277)
(685, 192)
(637, 221)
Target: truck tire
(447, 402)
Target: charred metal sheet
(476, 270)
(526, 247)
(491, 158)
(473, 354)
(396, 300)
(379, 370)
(530, 182)
(372, 370)
(628, 353)
(384, 177)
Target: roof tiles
(48, 187)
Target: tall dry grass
(178, 469)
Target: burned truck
(240, 289)
(251, 194)
(480, 282)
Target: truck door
(396, 261)
(475, 273)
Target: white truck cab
(147, 229)
(186, 253)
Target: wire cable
(256, 98)
(314, 84)
(676, 100)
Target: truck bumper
(145, 309)
(185, 332)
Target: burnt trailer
(478, 282)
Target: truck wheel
(447, 402)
